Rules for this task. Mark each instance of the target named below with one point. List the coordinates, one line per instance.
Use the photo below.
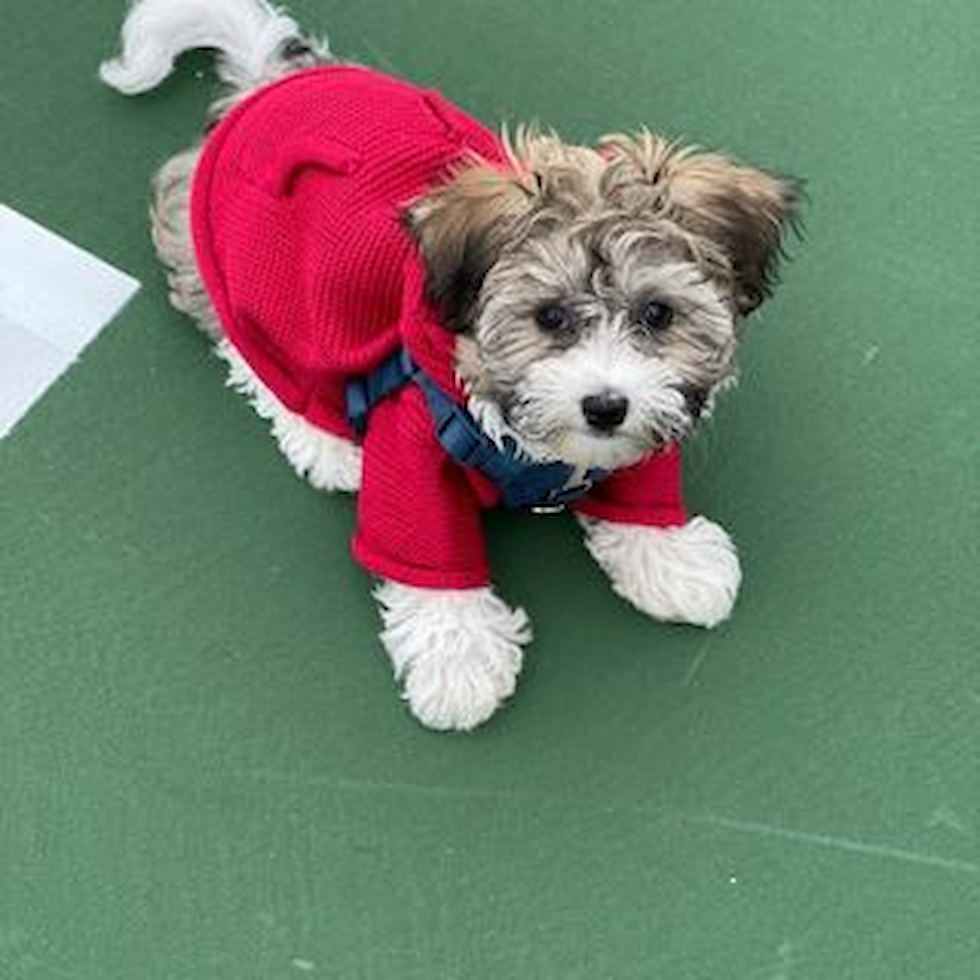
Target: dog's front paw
(456, 652)
(688, 574)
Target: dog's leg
(326, 461)
(170, 227)
(688, 574)
(457, 652)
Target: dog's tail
(253, 40)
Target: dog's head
(597, 292)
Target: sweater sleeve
(648, 493)
(418, 518)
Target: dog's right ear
(461, 228)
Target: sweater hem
(422, 578)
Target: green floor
(204, 771)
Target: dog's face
(597, 293)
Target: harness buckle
(547, 510)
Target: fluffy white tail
(249, 36)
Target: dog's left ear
(461, 228)
(743, 210)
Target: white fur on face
(548, 407)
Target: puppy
(444, 319)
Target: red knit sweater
(297, 218)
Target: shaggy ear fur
(460, 229)
(742, 210)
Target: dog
(443, 318)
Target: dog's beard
(545, 408)
(541, 418)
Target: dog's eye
(553, 318)
(653, 315)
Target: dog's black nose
(605, 411)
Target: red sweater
(297, 218)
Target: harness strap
(541, 486)
(362, 394)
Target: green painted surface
(204, 772)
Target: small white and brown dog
(441, 318)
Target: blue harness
(540, 486)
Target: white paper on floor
(55, 298)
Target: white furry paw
(457, 652)
(688, 574)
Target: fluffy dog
(441, 318)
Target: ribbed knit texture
(418, 511)
(297, 217)
(649, 493)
